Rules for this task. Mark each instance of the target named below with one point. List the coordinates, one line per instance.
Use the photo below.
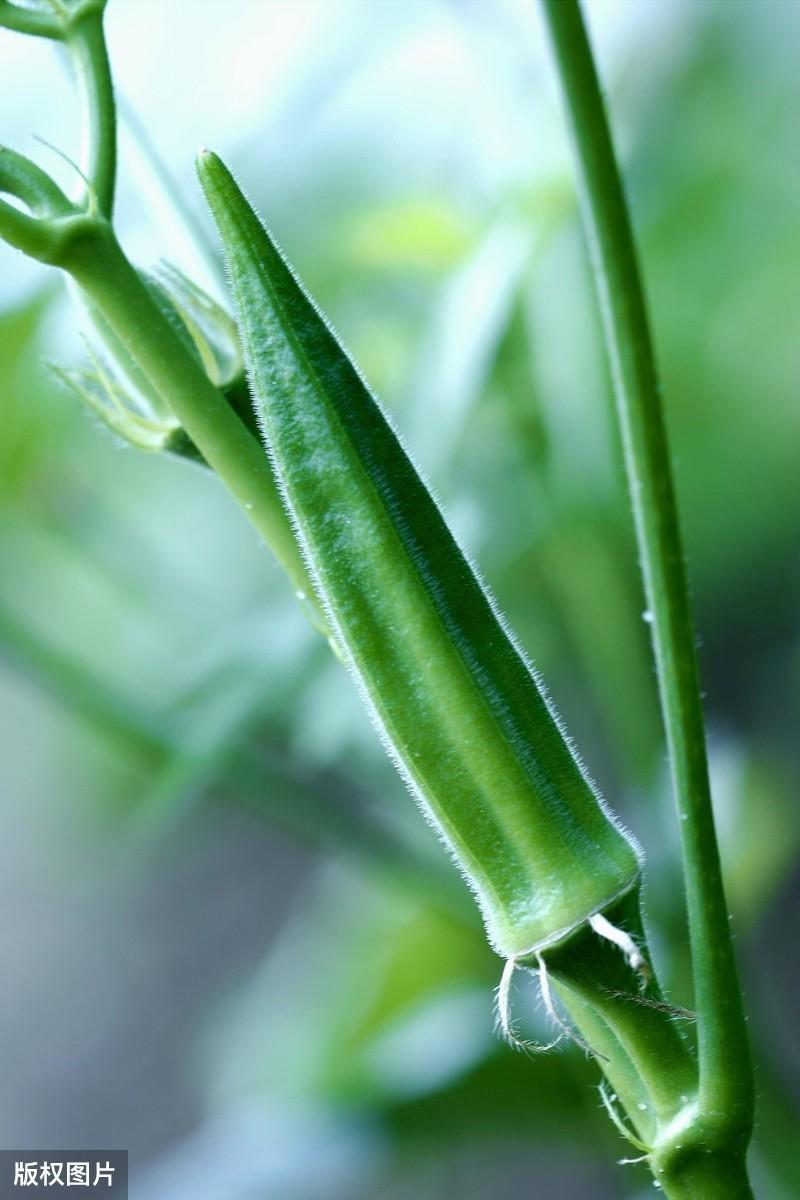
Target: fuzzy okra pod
(460, 709)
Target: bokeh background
(229, 943)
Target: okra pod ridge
(459, 707)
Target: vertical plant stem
(89, 54)
(725, 1098)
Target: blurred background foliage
(229, 942)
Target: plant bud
(116, 389)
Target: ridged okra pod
(460, 709)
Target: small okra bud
(121, 411)
(198, 322)
(118, 391)
(460, 709)
(210, 331)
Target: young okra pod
(460, 709)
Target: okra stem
(110, 282)
(87, 45)
(726, 1076)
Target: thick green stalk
(101, 269)
(725, 1100)
(648, 1061)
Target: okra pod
(459, 707)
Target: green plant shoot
(459, 707)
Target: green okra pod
(460, 709)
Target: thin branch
(726, 1077)
(87, 44)
(28, 20)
